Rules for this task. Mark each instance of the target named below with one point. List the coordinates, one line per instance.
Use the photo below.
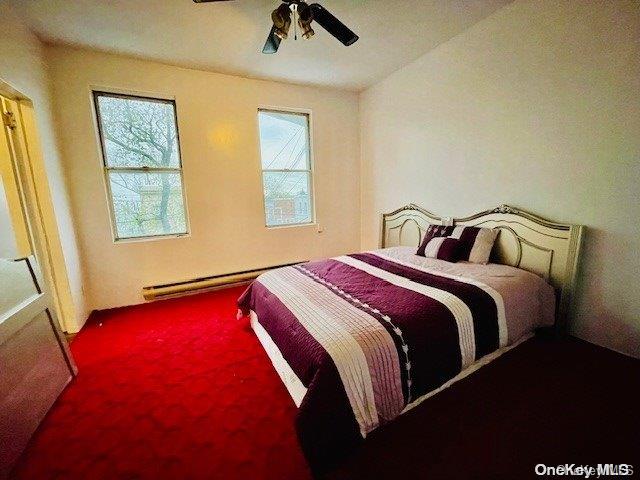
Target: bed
(360, 339)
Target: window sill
(153, 238)
(292, 225)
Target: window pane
(138, 132)
(287, 198)
(284, 140)
(147, 204)
(16, 285)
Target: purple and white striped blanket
(367, 334)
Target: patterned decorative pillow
(443, 248)
(476, 242)
(432, 232)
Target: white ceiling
(227, 37)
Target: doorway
(35, 361)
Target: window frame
(311, 170)
(95, 95)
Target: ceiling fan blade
(272, 43)
(207, 1)
(332, 25)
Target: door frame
(33, 183)
(39, 256)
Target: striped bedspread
(367, 334)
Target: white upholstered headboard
(526, 241)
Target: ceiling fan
(305, 14)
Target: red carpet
(180, 389)
(172, 389)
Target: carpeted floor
(179, 389)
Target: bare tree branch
(131, 148)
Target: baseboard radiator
(213, 282)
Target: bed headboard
(526, 241)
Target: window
(286, 167)
(142, 166)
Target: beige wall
(217, 120)
(22, 67)
(536, 106)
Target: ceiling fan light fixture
(305, 18)
(282, 34)
(281, 17)
(306, 33)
